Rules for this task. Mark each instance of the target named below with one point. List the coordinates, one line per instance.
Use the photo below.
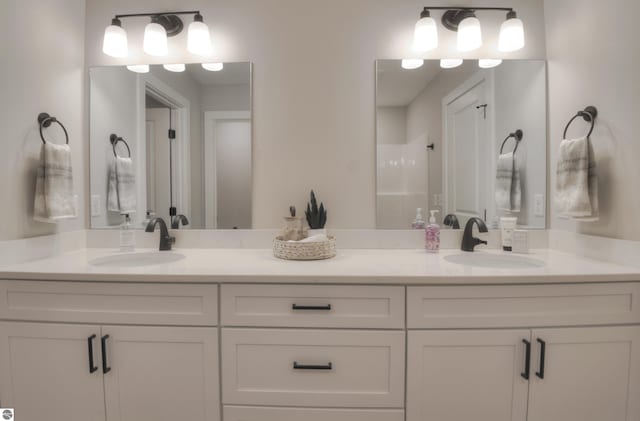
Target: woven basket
(304, 251)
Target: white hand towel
(54, 198)
(121, 190)
(576, 181)
(508, 189)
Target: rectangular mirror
(442, 135)
(188, 136)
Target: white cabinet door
(161, 373)
(467, 375)
(590, 374)
(45, 375)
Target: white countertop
(371, 266)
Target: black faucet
(177, 219)
(451, 221)
(468, 240)
(165, 239)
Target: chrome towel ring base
(589, 115)
(45, 120)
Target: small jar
(294, 229)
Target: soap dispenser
(432, 234)
(418, 223)
(127, 236)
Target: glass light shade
(114, 43)
(177, 67)
(155, 40)
(412, 63)
(450, 63)
(139, 68)
(469, 34)
(511, 35)
(425, 35)
(213, 67)
(488, 63)
(199, 39)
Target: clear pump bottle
(127, 236)
(432, 234)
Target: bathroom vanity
(370, 335)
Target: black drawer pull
(92, 368)
(105, 368)
(543, 350)
(527, 360)
(297, 366)
(299, 307)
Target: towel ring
(589, 115)
(114, 139)
(45, 120)
(517, 135)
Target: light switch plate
(437, 199)
(95, 205)
(538, 205)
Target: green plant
(316, 216)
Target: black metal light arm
(133, 15)
(504, 9)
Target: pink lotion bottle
(432, 234)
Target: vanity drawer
(257, 413)
(312, 306)
(114, 303)
(523, 305)
(315, 368)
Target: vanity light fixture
(488, 63)
(450, 63)
(213, 67)
(425, 35)
(177, 67)
(139, 68)
(412, 63)
(162, 26)
(464, 21)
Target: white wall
(594, 59)
(391, 125)
(314, 85)
(42, 71)
(226, 98)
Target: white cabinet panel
(162, 374)
(313, 306)
(348, 368)
(590, 374)
(45, 374)
(466, 375)
(261, 413)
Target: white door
(590, 374)
(161, 373)
(158, 162)
(467, 375)
(468, 149)
(45, 372)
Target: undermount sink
(129, 260)
(496, 261)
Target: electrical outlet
(437, 199)
(538, 205)
(95, 205)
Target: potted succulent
(316, 216)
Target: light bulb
(412, 63)
(511, 34)
(425, 35)
(213, 67)
(198, 38)
(114, 43)
(177, 67)
(139, 68)
(469, 34)
(488, 63)
(155, 39)
(450, 63)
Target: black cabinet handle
(299, 307)
(527, 360)
(92, 368)
(297, 366)
(543, 349)
(105, 368)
